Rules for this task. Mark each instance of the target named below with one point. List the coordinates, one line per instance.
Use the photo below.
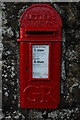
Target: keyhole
(26, 68)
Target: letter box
(40, 54)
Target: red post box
(40, 53)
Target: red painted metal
(40, 24)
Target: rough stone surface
(69, 108)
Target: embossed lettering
(39, 94)
(47, 94)
(41, 18)
(32, 93)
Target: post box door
(40, 85)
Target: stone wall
(69, 108)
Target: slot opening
(39, 32)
